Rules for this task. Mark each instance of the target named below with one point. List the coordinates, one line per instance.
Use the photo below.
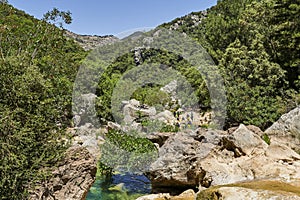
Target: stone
(84, 109)
(166, 116)
(90, 137)
(281, 152)
(186, 195)
(133, 111)
(113, 125)
(247, 141)
(71, 179)
(207, 158)
(155, 197)
(159, 138)
(170, 88)
(287, 130)
(176, 165)
(89, 42)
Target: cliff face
(71, 179)
(88, 42)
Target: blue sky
(98, 17)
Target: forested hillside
(38, 66)
(256, 45)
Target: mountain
(88, 42)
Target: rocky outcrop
(287, 130)
(71, 179)
(84, 109)
(84, 132)
(186, 195)
(190, 20)
(208, 158)
(89, 137)
(88, 42)
(262, 189)
(132, 110)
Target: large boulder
(287, 129)
(133, 110)
(177, 165)
(208, 158)
(166, 117)
(71, 179)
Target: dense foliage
(38, 65)
(256, 46)
(149, 93)
(127, 152)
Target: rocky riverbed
(240, 163)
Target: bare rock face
(88, 42)
(132, 110)
(89, 137)
(287, 130)
(208, 158)
(71, 179)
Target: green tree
(253, 84)
(38, 65)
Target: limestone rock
(133, 110)
(154, 197)
(186, 195)
(159, 138)
(88, 42)
(177, 163)
(287, 129)
(90, 137)
(166, 117)
(84, 109)
(247, 141)
(71, 179)
(207, 158)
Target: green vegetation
(266, 138)
(254, 43)
(148, 94)
(126, 152)
(38, 65)
(151, 96)
(256, 46)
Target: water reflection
(119, 187)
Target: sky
(112, 17)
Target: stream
(119, 187)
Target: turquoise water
(119, 187)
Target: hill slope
(38, 65)
(256, 45)
(89, 42)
